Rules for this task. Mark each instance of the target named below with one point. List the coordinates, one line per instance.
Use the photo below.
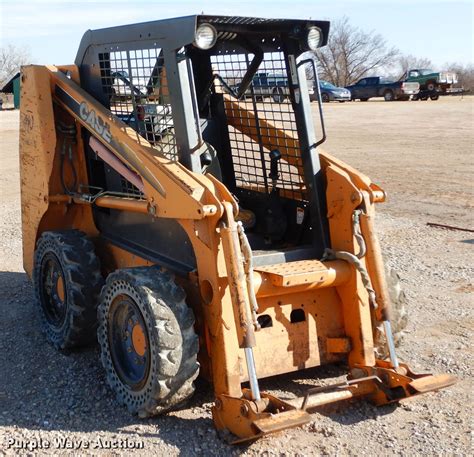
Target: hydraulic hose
(248, 268)
(358, 234)
(69, 133)
(330, 254)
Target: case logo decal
(96, 122)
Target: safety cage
(249, 79)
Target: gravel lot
(422, 154)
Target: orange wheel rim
(60, 288)
(138, 340)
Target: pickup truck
(430, 80)
(271, 85)
(377, 86)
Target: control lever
(275, 157)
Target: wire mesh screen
(129, 189)
(135, 83)
(261, 121)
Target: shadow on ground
(42, 389)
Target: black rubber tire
(399, 316)
(431, 86)
(388, 96)
(173, 343)
(434, 97)
(364, 99)
(82, 284)
(325, 98)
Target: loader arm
(382, 381)
(161, 176)
(170, 190)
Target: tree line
(351, 54)
(11, 59)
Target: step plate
(295, 273)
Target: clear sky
(440, 30)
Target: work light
(206, 36)
(314, 38)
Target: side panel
(37, 150)
(161, 240)
(40, 163)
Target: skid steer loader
(195, 227)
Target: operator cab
(243, 85)
(237, 107)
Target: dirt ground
(421, 153)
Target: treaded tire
(82, 283)
(399, 315)
(172, 341)
(389, 96)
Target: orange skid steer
(177, 207)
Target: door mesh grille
(267, 101)
(136, 85)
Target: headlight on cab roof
(206, 37)
(314, 38)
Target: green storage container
(16, 92)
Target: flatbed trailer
(434, 94)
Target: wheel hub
(52, 290)
(138, 340)
(60, 288)
(128, 342)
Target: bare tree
(352, 53)
(465, 74)
(407, 62)
(11, 59)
